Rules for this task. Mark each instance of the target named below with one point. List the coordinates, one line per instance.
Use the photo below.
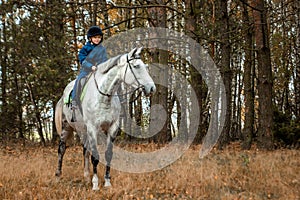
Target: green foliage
(286, 130)
(37, 64)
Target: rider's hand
(94, 68)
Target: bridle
(130, 67)
(140, 86)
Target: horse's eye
(136, 66)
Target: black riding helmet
(93, 31)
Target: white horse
(100, 109)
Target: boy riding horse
(95, 38)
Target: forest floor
(27, 172)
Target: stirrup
(74, 105)
(73, 119)
(73, 108)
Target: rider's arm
(83, 53)
(87, 66)
(99, 56)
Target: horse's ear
(132, 53)
(138, 51)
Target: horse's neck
(109, 81)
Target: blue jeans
(74, 92)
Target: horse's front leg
(112, 133)
(92, 147)
(86, 170)
(108, 158)
(95, 179)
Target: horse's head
(136, 73)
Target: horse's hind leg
(61, 151)
(66, 134)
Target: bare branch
(148, 6)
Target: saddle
(80, 85)
(80, 91)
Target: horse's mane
(110, 63)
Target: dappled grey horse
(100, 110)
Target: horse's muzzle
(149, 89)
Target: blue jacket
(90, 55)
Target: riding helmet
(93, 31)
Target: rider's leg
(74, 104)
(74, 94)
(76, 90)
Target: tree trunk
(157, 17)
(297, 77)
(55, 135)
(3, 57)
(161, 98)
(248, 83)
(196, 78)
(37, 113)
(264, 82)
(226, 71)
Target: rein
(139, 84)
(104, 94)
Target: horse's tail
(58, 116)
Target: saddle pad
(68, 99)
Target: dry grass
(28, 173)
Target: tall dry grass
(28, 173)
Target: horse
(100, 109)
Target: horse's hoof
(107, 183)
(95, 182)
(95, 188)
(57, 173)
